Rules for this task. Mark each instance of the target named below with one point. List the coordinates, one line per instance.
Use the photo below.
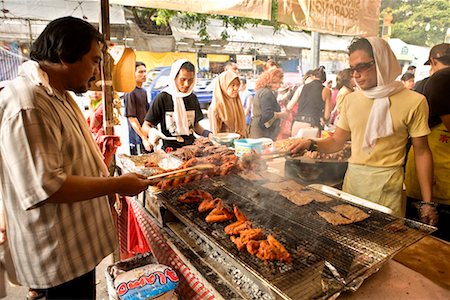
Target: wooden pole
(106, 70)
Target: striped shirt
(42, 140)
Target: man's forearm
(424, 168)
(80, 188)
(137, 127)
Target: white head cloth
(379, 123)
(180, 115)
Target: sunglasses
(362, 67)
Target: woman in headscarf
(266, 110)
(226, 113)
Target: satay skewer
(197, 167)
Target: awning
(401, 50)
(27, 19)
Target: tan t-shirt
(409, 111)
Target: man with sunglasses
(378, 119)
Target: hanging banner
(244, 62)
(341, 17)
(258, 9)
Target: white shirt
(41, 142)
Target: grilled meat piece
(283, 253)
(195, 196)
(236, 227)
(208, 204)
(247, 236)
(253, 247)
(239, 214)
(350, 212)
(334, 218)
(251, 234)
(345, 214)
(219, 214)
(271, 249)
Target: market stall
(322, 261)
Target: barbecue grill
(327, 259)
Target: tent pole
(315, 49)
(106, 70)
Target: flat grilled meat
(350, 212)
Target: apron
(439, 142)
(380, 185)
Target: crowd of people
(56, 189)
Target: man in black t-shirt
(176, 110)
(437, 92)
(136, 107)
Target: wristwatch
(313, 146)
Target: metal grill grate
(326, 258)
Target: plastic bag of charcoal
(141, 277)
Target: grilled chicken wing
(195, 196)
(236, 227)
(208, 204)
(219, 214)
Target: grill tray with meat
(348, 251)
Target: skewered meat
(195, 196)
(219, 214)
(208, 204)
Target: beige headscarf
(227, 114)
(380, 123)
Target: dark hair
(307, 74)
(140, 63)
(361, 44)
(65, 39)
(410, 68)
(320, 73)
(243, 80)
(407, 76)
(228, 63)
(188, 66)
(343, 78)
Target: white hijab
(379, 123)
(179, 110)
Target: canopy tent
(26, 19)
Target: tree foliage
(419, 22)
(162, 17)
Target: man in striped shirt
(54, 183)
